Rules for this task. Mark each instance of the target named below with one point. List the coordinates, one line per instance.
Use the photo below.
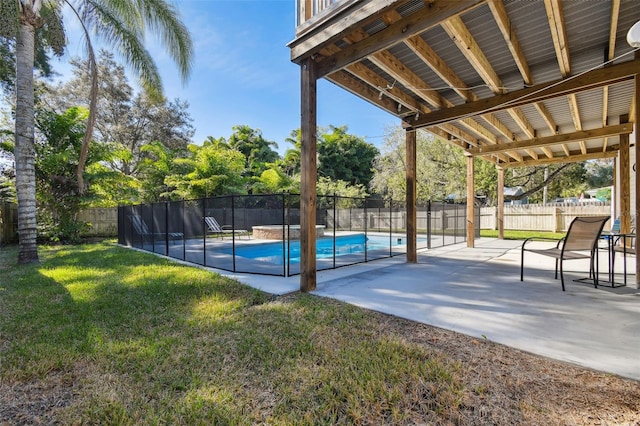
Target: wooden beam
(552, 140)
(471, 197)
(308, 175)
(522, 122)
(461, 36)
(559, 34)
(636, 120)
(500, 206)
(412, 221)
(587, 81)
(625, 185)
(396, 69)
(358, 88)
(350, 14)
(440, 67)
(413, 24)
(569, 159)
(575, 116)
(510, 37)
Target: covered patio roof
(513, 82)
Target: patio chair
(141, 228)
(215, 228)
(580, 242)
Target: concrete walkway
(478, 292)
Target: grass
(521, 235)
(123, 337)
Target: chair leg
(557, 268)
(561, 273)
(522, 264)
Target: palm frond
(164, 19)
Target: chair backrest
(213, 224)
(584, 232)
(139, 224)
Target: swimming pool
(276, 252)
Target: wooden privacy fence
(103, 222)
(540, 217)
(8, 223)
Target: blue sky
(242, 74)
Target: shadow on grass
(145, 340)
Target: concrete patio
(478, 292)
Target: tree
(121, 25)
(131, 121)
(255, 148)
(346, 157)
(440, 168)
(212, 169)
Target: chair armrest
(557, 241)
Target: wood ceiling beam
(357, 87)
(559, 34)
(354, 13)
(370, 77)
(510, 37)
(613, 152)
(589, 80)
(522, 122)
(609, 131)
(423, 51)
(575, 116)
(396, 69)
(458, 32)
(413, 24)
(613, 31)
(551, 124)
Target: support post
(625, 181)
(500, 203)
(308, 171)
(471, 198)
(637, 174)
(412, 255)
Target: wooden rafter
(510, 36)
(552, 140)
(414, 24)
(613, 30)
(459, 33)
(597, 78)
(612, 152)
(559, 34)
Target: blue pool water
(344, 245)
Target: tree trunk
(24, 148)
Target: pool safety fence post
(335, 203)
(184, 231)
(444, 221)
(233, 232)
(166, 228)
(203, 204)
(366, 217)
(286, 249)
(429, 224)
(390, 228)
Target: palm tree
(122, 25)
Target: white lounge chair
(215, 228)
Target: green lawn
(108, 335)
(521, 235)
